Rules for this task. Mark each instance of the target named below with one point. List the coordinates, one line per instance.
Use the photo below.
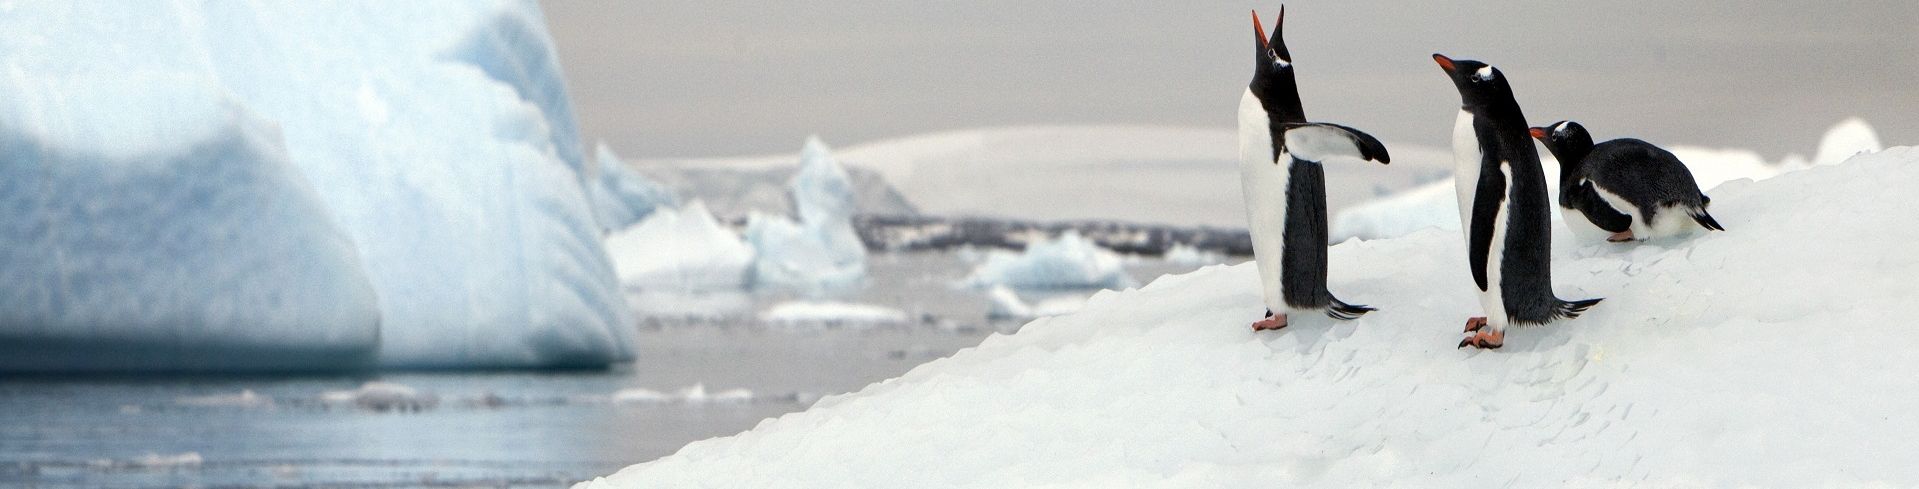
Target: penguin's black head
(1273, 72)
(1478, 83)
(1270, 55)
(1563, 134)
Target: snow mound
(696, 394)
(680, 249)
(831, 313)
(820, 250)
(1006, 304)
(430, 155)
(1845, 139)
(1716, 364)
(382, 396)
(621, 196)
(1068, 262)
(245, 399)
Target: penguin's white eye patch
(1563, 126)
(1277, 60)
(1484, 74)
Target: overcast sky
(719, 78)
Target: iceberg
(122, 200)
(821, 250)
(1006, 304)
(1740, 359)
(1068, 262)
(680, 250)
(431, 141)
(830, 313)
(622, 196)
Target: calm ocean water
(707, 368)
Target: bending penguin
(1285, 187)
(1628, 188)
(1503, 208)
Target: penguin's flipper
(1347, 312)
(1705, 220)
(1317, 141)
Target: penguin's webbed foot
(1474, 324)
(1620, 237)
(1484, 340)
(1272, 322)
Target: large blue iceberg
(274, 185)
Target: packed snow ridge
(291, 185)
(1772, 354)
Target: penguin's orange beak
(1259, 31)
(1445, 63)
(1538, 133)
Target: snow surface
(621, 196)
(681, 249)
(1774, 354)
(830, 313)
(1435, 205)
(430, 155)
(820, 251)
(1145, 174)
(1068, 262)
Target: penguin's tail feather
(1705, 220)
(1347, 312)
(1572, 309)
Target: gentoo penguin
(1626, 187)
(1285, 187)
(1503, 208)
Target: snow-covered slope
(1149, 174)
(435, 135)
(1773, 354)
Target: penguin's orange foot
(1473, 325)
(1485, 340)
(1620, 237)
(1273, 322)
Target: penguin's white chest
(1264, 180)
(1466, 159)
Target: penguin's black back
(1645, 175)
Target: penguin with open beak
(1280, 155)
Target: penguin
(1285, 188)
(1629, 188)
(1503, 207)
